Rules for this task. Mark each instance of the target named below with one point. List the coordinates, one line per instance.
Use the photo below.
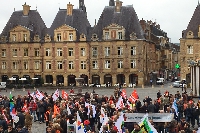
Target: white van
(160, 81)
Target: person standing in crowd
(33, 108)
(10, 129)
(3, 123)
(28, 120)
(41, 108)
(136, 129)
(21, 116)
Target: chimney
(118, 5)
(69, 9)
(26, 9)
(111, 3)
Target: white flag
(39, 95)
(55, 95)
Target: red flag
(25, 109)
(5, 117)
(123, 94)
(133, 97)
(64, 95)
(56, 111)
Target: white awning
(22, 79)
(12, 78)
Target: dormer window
(120, 35)
(70, 36)
(3, 39)
(190, 33)
(133, 36)
(14, 37)
(106, 35)
(82, 36)
(25, 37)
(59, 37)
(94, 37)
(37, 37)
(48, 37)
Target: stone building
(189, 45)
(115, 50)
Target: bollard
(13, 89)
(23, 89)
(142, 86)
(34, 89)
(171, 86)
(152, 86)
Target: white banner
(156, 117)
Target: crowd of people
(61, 114)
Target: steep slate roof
(32, 21)
(78, 20)
(157, 32)
(126, 18)
(194, 23)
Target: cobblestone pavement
(142, 92)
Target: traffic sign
(177, 66)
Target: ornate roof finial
(198, 2)
(36, 7)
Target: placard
(156, 117)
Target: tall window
(37, 65)
(14, 38)
(59, 64)
(82, 51)
(94, 51)
(133, 50)
(71, 52)
(26, 65)
(25, 37)
(3, 66)
(120, 35)
(83, 64)
(133, 63)
(70, 36)
(107, 51)
(59, 37)
(37, 52)
(119, 51)
(107, 64)
(48, 52)
(71, 65)
(94, 64)
(190, 49)
(25, 52)
(14, 52)
(120, 64)
(48, 65)
(59, 51)
(14, 65)
(3, 53)
(106, 35)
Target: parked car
(176, 84)
(160, 81)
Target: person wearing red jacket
(33, 108)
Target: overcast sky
(172, 15)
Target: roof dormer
(190, 34)
(113, 32)
(20, 34)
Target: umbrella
(22, 79)
(34, 78)
(12, 78)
